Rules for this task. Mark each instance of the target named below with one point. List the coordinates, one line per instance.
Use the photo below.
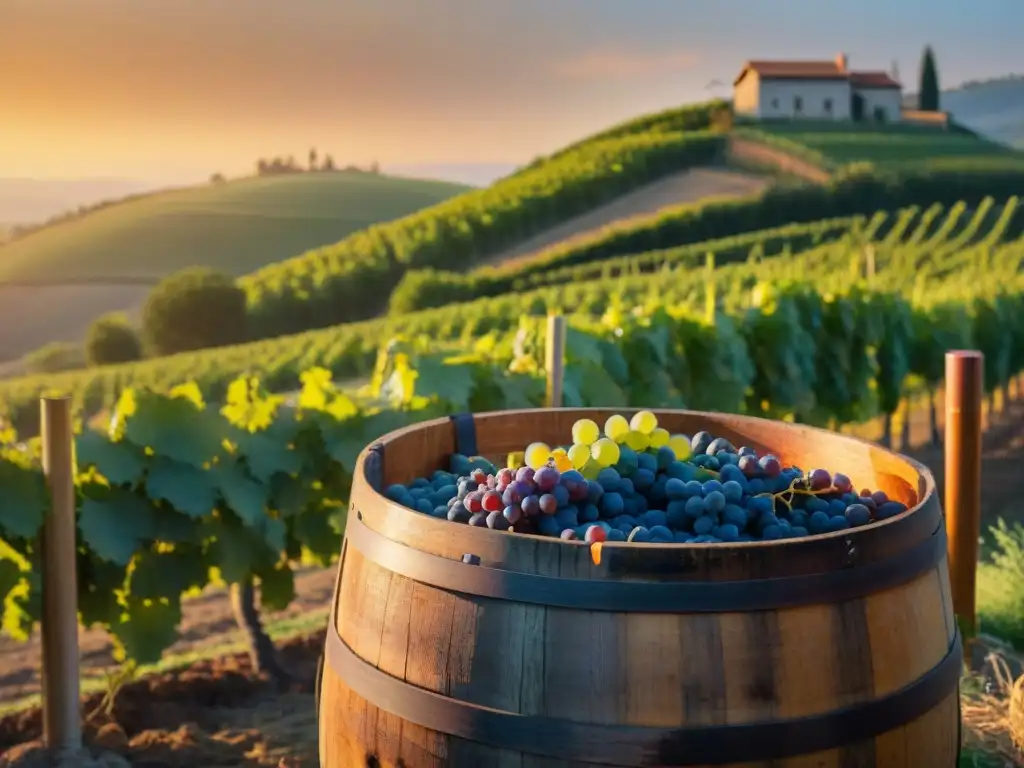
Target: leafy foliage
(194, 309)
(111, 339)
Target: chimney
(841, 61)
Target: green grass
(237, 227)
(833, 145)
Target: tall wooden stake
(964, 387)
(554, 361)
(62, 722)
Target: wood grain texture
(623, 668)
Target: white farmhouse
(815, 90)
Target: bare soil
(684, 187)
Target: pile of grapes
(638, 483)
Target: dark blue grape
(609, 479)
(479, 520)
(858, 514)
(746, 450)
(513, 514)
(665, 458)
(682, 537)
(771, 532)
(676, 514)
(628, 462)
(879, 497)
(756, 486)
(616, 535)
(567, 517)
(675, 489)
(818, 522)
(770, 466)
(648, 462)
(798, 531)
(732, 491)
(643, 479)
(594, 491)
(838, 523)
(703, 525)
(652, 518)
(719, 445)
(548, 504)
(441, 511)
(699, 442)
(680, 471)
(814, 504)
(735, 515)
(661, 535)
(611, 505)
(497, 521)
(426, 506)
(799, 518)
(715, 501)
(458, 514)
(694, 488)
(728, 532)
(890, 509)
(711, 485)
(695, 507)
(639, 535)
(547, 526)
(590, 513)
(836, 507)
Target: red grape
(595, 533)
(474, 502)
(842, 483)
(568, 535)
(505, 477)
(524, 474)
(531, 506)
(819, 480)
(492, 502)
(479, 476)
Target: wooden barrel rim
(643, 746)
(471, 578)
(840, 550)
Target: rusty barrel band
(646, 596)
(640, 746)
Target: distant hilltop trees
(276, 166)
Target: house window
(798, 104)
(828, 106)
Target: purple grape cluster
(721, 494)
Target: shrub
(112, 339)
(194, 309)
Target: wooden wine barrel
(450, 645)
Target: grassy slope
(237, 227)
(889, 147)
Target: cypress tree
(928, 93)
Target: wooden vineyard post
(554, 361)
(62, 724)
(964, 387)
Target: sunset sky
(173, 90)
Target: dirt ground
(684, 187)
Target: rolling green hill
(832, 145)
(237, 226)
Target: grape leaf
(174, 427)
(146, 629)
(98, 585)
(174, 527)
(10, 575)
(156, 575)
(115, 527)
(233, 549)
(597, 388)
(582, 347)
(289, 494)
(572, 382)
(119, 462)
(244, 496)
(24, 501)
(275, 533)
(314, 531)
(267, 453)
(521, 390)
(188, 489)
(452, 383)
(277, 587)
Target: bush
(194, 309)
(53, 358)
(112, 339)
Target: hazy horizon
(165, 92)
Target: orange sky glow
(183, 88)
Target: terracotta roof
(794, 70)
(816, 70)
(873, 80)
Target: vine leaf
(118, 461)
(116, 526)
(188, 489)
